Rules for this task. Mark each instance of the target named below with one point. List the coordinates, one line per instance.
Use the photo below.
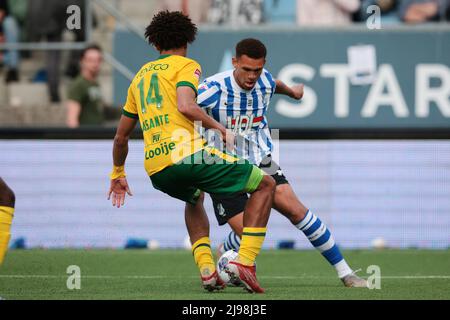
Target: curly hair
(170, 30)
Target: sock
(201, 250)
(221, 249)
(251, 243)
(320, 237)
(232, 242)
(6, 216)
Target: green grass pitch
(172, 274)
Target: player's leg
(227, 174)
(234, 176)
(236, 224)
(287, 203)
(7, 201)
(255, 219)
(320, 236)
(233, 209)
(233, 239)
(176, 181)
(230, 209)
(197, 224)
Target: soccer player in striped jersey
(239, 99)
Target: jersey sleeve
(130, 108)
(272, 82)
(208, 94)
(189, 76)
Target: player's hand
(119, 188)
(297, 91)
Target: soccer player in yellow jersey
(162, 97)
(7, 200)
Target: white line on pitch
(45, 276)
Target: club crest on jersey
(203, 86)
(197, 73)
(244, 123)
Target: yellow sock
(203, 257)
(251, 243)
(6, 216)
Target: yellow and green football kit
(6, 217)
(176, 156)
(174, 150)
(152, 98)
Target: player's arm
(124, 130)
(294, 92)
(73, 114)
(119, 185)
(191, 110)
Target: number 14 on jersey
(153, 96)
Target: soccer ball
(224, 259)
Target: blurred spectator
(10, 34)
(73, 64)
(85, 104)
(236, 12)
(47, 19)
(196, 9)
(419, 11)
(326, 12)
(388, 10)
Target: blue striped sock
(320, 237)
(232, 242)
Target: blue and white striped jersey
(243, 111)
